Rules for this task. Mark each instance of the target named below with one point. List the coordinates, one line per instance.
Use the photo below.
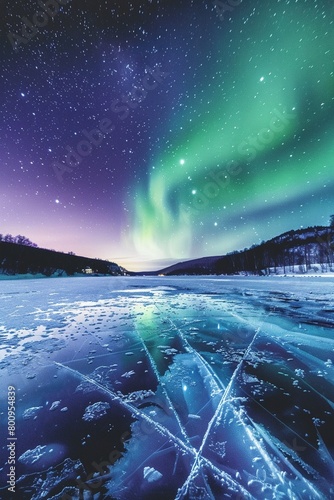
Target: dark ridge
(309, 248)
(22, 259)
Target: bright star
(182, 162)
(262, 78)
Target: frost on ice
(31, 456)
(31, 412)
(95, 411)
(206, 388)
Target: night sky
(216, 125)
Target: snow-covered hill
(304, 251)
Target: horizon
(153, 266)
(164, 264)
(170, 262)
(147, 139)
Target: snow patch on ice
(31, 412)
(96, 411)
(54, 405)
(32, 456)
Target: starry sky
(149, 132)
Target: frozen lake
(169, 388)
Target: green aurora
(250, 153)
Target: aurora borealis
(232, 146)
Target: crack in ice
(160, 428)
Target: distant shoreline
(29, 276)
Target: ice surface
(171, 388)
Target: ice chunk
(31, 412)
(151, 474)
(95, 411)
(139, 395)
(32, 456)
(43, 455)
(54, 405)
(128, 374)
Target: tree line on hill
(298, 251)
(18, 255)
(19, 239)
(301, 251)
